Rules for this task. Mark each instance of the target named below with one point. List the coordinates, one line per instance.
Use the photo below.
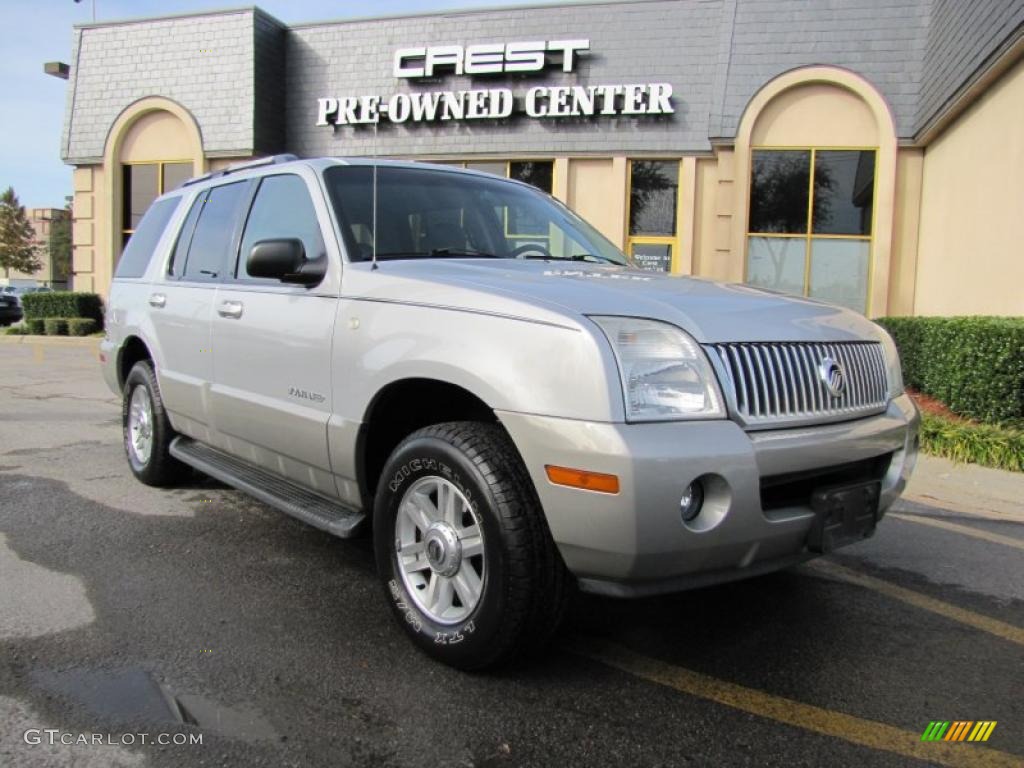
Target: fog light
(692, 500)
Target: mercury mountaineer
(466, 368)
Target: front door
(271, 342)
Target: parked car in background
(10, 308)
(17, 291)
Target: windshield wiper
(574, 257)
(463, 252)
(438, 253)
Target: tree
(60, 243)
(17, 238)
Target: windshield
(429, 213)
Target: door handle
(158, 300)
(230, 309)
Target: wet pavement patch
(132, 695)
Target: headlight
(893, 368)
(665, 374)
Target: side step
(309, 507)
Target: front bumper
(635, 543)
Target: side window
(211, 241)
(282, 208)
(177, 265)
(142, 242)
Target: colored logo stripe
(982, 730)
(958, 730)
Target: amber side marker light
(580, 478)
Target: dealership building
(866, 152)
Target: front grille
(780, 383)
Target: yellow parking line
(962, 615)
(856, 730)
(957, 528)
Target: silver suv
(461, 364)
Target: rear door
(182, 304)
(272, 341)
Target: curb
(56, 341)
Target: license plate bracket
(843, 515)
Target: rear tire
(463, 549)
(147, 430)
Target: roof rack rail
(242, 166)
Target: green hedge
(974, 365)
(63, 304)
(34, 325)
(986, 444)
(81, 326)
(56, 326)
(17, 330)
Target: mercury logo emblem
(833, 376)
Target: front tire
(463, 549)
(147, 430)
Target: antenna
(374, 214)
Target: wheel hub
(443, 550)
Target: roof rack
(271, 160)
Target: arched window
(810, 222)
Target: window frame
(159, 187)
(235, 258)
(809, 236)
(673, 241)
(200, 199)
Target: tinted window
(653, 192)
(141, 187)
(844, 185)
(211, 241)
(177, 265)
(142, 243)
(176, 174)
(282, 208)
(539, 173)
(779, 185)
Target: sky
(36, 31)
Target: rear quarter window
(142, 243)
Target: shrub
(34, 326)
(986, 444)
(974, 365)
(17, 330)
(81, 326)
(63, 304)
(56, 326)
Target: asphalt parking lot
(131, 610)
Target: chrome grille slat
(772, 384)
(749, 370)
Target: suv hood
(549, 290)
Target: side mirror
(285, 260)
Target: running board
(307, 506)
